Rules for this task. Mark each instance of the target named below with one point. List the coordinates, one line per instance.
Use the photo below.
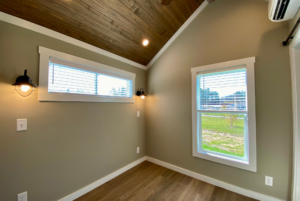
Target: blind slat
(66, 79)
(222, 90)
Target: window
(223, 112)
(65, 77)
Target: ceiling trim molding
(178, 32)
(54, 34)
(48, 32)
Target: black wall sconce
(141, 93)
(24, 86)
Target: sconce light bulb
(142, 96)
(25, 88)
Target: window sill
(226, 161)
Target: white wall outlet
(138, 114)
(21, 124)
(22, 196)
(138, 150)
(269, 181)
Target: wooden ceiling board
(117, 26)
(127, 14)
(79, 13)
(165, 11)
(196, 3)
(189, 5)
(78, 31)
(183, 8)
(176, 12)
(119, 19)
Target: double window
(224, 113)
(68, 78)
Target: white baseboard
(230, 187)
(101, 181)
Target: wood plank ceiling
(118, 26)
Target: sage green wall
(68, 145)
(225, 30)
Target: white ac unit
(280, 10)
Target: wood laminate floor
(151, 182)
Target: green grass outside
(219, 114)
(221, 125)
(219, 136)
(215, 149)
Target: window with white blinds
(219, 93)
(222, 90)
(224, 113)
(64, 77)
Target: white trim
(233, 63)
(296, 117)
(227, 186)
(249, 64)
(80, 63)
(42, 30)
(230, 187)
(178, 32)
(54, 34)
(101, 181)
(48, 32)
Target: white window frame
(249, 64)
(84, 64)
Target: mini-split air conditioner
(280, 10)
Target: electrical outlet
(138, 150)
(269, 181)
(22, 196)
(138, 114)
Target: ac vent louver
(280, 10)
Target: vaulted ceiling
(118, 26)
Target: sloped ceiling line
(126, 24)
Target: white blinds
(222, 90)
(67, 79)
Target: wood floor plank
(146, 190)
(191, 191)
(151, 182)
(218, 194)
(134, 184)
(110, 186)
(181, 186)
(204, 193)
(161, 192)
(129, 194)
(243, 198)
(230, 196)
